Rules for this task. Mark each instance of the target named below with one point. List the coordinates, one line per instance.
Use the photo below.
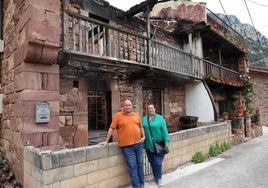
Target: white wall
(198, 102)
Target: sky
(253, 12)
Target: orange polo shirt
(128, 128)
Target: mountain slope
(258, 43)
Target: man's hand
(104, 143)
(109, 134)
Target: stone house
(68, 64)
(260, 77)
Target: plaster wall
(198, 102)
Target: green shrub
(218, 147)
(227, 145)
(214, 151)
(199, 157)
(223, 148)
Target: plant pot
(239, 114)
(235, 131)
(225, 116)
(257, 111)
(245, 114)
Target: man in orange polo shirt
(130, 139)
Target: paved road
(243, 166)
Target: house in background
(259, 102)
(68, 65)
(165, 61)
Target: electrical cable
(258, 39)
(225, 12)
(258, 3)
(253, 25)
(252, 22)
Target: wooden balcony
(90, 40)
(222, 75)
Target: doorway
(152, 96)
(99, 115)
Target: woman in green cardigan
(158, 132)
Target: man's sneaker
(159, 182)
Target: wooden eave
(212, 40)
(67, 57)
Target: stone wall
(73, 112)
(95, 166)
(175, 107)
(260, 77)
(31, 31)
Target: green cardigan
(159, 130)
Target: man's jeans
(134, 158)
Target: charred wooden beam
(142, 7)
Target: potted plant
(225, 115)
(236, 131)
(257, 111)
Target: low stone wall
(95, 166)
(256, 131)
(186, 143)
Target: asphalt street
(244, 165)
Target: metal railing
(146, 165)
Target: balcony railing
(91, 38)
(221, 74)
(86, 36)
(175, 60)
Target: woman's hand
(142, 139)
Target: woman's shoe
(159, 182)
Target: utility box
(42, 112)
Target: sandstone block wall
(95, 166)
(31, 31)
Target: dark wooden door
(152, 96)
